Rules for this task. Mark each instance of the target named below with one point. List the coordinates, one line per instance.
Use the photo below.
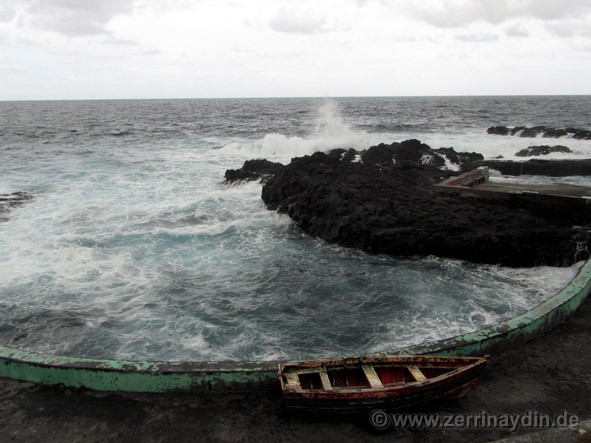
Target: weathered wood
(293, 379)
(372, 377)
(326, 385)
(416, 373)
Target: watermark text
(382, 420)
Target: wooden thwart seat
(372, 377)
(292, 379)
(325, 381)
(416, 373)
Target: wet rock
(253, 170)
(10, 201)
(532, 132)
(579, 134)
(533, 151)
(387, 204)
(517, 129)
(498, 130)
(459, 158)
(524, 131)
(555, 133)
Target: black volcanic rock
(523, 131)
(517, 129)
(498, 130)
(391, 207)
(532, 132)
(533, 151)
(579, 134)
(555, 133)
(10, 201)
(459, 158)
(408, 152)
(253, 170)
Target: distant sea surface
(134, 247)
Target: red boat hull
(393, 395)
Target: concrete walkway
(580, 434)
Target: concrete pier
(476, 183)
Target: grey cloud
(295, 22)
(455, 13)
(477, 37)
(7, 10)
(75, 17)
(516, 30)
(111, 40)
(570, 28)
(163, 5)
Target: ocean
(132, 245)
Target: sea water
(134, 247)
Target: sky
(114, 49)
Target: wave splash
(331, 131)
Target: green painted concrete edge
(146, 376)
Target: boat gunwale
(387, 389)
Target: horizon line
(290, 97)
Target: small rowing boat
(385, 382)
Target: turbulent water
(133, 247)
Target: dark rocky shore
(382, 200)
(524, 131)
(533, 151)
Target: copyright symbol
(379, 420)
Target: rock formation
(533, 151)
(383, 200)
(523, 131)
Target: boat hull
(391, 398)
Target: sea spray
(330, 131)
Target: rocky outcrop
(253, 170)
(10, 201)
(413, 152)
(459, 158)
(523, 131)
(534, 151)
(498, 130)
(382, 200)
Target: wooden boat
(388, 382)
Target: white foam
(426, 159)
(449, 165)
(330, 132)
(491, 146)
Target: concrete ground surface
(548, 375)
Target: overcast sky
(86, 49)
